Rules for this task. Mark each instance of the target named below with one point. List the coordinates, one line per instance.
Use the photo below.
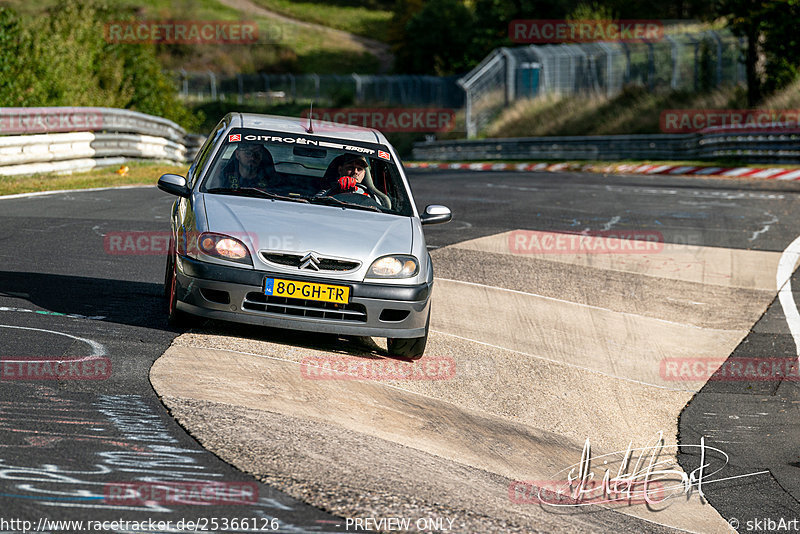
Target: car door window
(204, 153)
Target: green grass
(284, 46)
(138, 174)
(144, 9)
(364, 21)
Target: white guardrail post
(69, 139)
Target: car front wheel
(175, 317)
(411, 348)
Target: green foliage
(770, 28)
(488, 27)
(10, 34)
(591, 11)
(62, 59)
(441, 33)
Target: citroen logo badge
(310, 262)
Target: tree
(438, 39)
(772, 52)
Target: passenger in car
(250, 166)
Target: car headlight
(223, 247)
(398, 266)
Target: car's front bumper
(202, 288)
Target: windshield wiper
(330, 201)
(260, 192)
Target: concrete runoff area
(533, 376)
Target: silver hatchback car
(289, 224)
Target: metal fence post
(673, 83)
(359, 89)
(315, 77)
(511, 73)
(184, 84)
(213, 81)
(718, 39)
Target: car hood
(297, 227)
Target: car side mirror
(174, 184)
(436, 214)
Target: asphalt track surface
(63, 294)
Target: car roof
(298, 125)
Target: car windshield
(308, 168)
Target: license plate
(277, 287)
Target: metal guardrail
(751, 145)
(35, 140)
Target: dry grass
(636, 110)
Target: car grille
(305, 308)
(325, 264)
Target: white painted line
(97, 348)
(783, 277)
(42, 193)
(52, 314)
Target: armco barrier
(775, 145)
(35, 140)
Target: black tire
(168, 275)
(175, 317)
(410, 348)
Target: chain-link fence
(689, 61)
(324, 90)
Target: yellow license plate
(306, 290)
